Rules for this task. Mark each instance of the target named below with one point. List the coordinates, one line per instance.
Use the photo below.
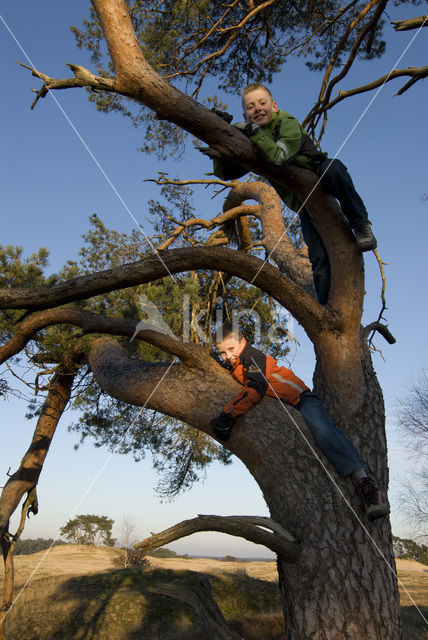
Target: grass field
(76, 593)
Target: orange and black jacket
(261, 375)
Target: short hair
(226, 330)
(253, 87)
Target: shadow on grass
(118, 605)
(414, 626)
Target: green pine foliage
(180, 453)
(18, 271)
(235, 43)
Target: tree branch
(208, 224)
(138, 81)
(177, 390)
(412, 23)
(249, 527)
(7, 543)
(380, 328)
(202, 601)
(251, 269)
(327, 86)
(291, 262)
(82, 78)
(416, 73)
(189, 352)
(27, 475)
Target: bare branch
(249, 527)
(416, 73)
(312, 119)
(82, 78)
(208, 224)
(382, 329)
(164, 180)
(293, 263)
(411, 23)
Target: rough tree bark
(355, 595)
(343, 586)
(25, 478)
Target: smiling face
(230, 348)
(258, 107)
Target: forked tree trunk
(343, 587)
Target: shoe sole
(370, 247)
(378, 512)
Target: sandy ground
(64, 560)
(257, 569)
(81, 560)
(411, 565)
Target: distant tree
(89, 529)
(30, 545)
(409, 549)
(413, 421)
(127, 529)
(163, 552)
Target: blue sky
(51, 185)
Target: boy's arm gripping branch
(251, 372)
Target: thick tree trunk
(343, 586)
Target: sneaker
(373, 500)
(365, 239)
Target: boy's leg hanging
(317, 256)
(342, 454)
(338, 182)
(331, 440)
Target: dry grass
(77, 594)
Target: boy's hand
(247, 128)
(223, 115)
(222, 426)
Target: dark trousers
(338, 183)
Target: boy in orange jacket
(260, 375)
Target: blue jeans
(337, 183)
(332, 441)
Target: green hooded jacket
(281, 141)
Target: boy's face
(230, 348)
(258, 107)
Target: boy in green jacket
(280, 139)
